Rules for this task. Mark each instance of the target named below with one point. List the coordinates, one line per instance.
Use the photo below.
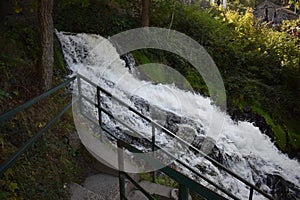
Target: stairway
(106, 187)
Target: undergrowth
(52, 162)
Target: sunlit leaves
(17, 8)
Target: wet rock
(129, 61)
(282, 189)
(141, 105)
(172, 122)
(218, 156)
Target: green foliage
(242, 22)
(161, 12)
(282, 48)
(50, 163)
(288, 25)
(82, 3)
(294, 3)
(161, 179)
(277, 129)
(42, 171)
(9, 185)
(184, 76)
(19, 43)
(97, 17)
(259, 65)
(59, 64)
(131, 8)
(3, 95)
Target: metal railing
(10, 161)
(170, 172)
(185, 183)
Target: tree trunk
(145, 12)
(46, 59)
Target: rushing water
(241, 146)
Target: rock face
(129, 61)
(282, 189)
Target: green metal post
(79, 93)
(121, 169)
(122, 185)
(183, 192)
(153, 150)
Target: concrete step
(103, 185)
(136, 195)
(96, 187)
(80, 193)
(106, 187)
(164, 192)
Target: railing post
(153, 150)
(121, 169)
(251, 193)
(79, 93)
(183, 192)
(99, 110)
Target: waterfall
(241, 146)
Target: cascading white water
(245, 150)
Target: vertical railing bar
(99, 106)
(153, 151)
(251, 193)
(138, 187)
(183, 192)
(99, 110)
(122, 186)
(121, 169)
(79, 93)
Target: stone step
(80, 193)
(96, 187)
(106, 187)
(136, 195)
(164, 192)
(103, 185)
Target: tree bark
(46, 59)
(145, 12)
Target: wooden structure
(268, 11)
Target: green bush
(259, 65)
